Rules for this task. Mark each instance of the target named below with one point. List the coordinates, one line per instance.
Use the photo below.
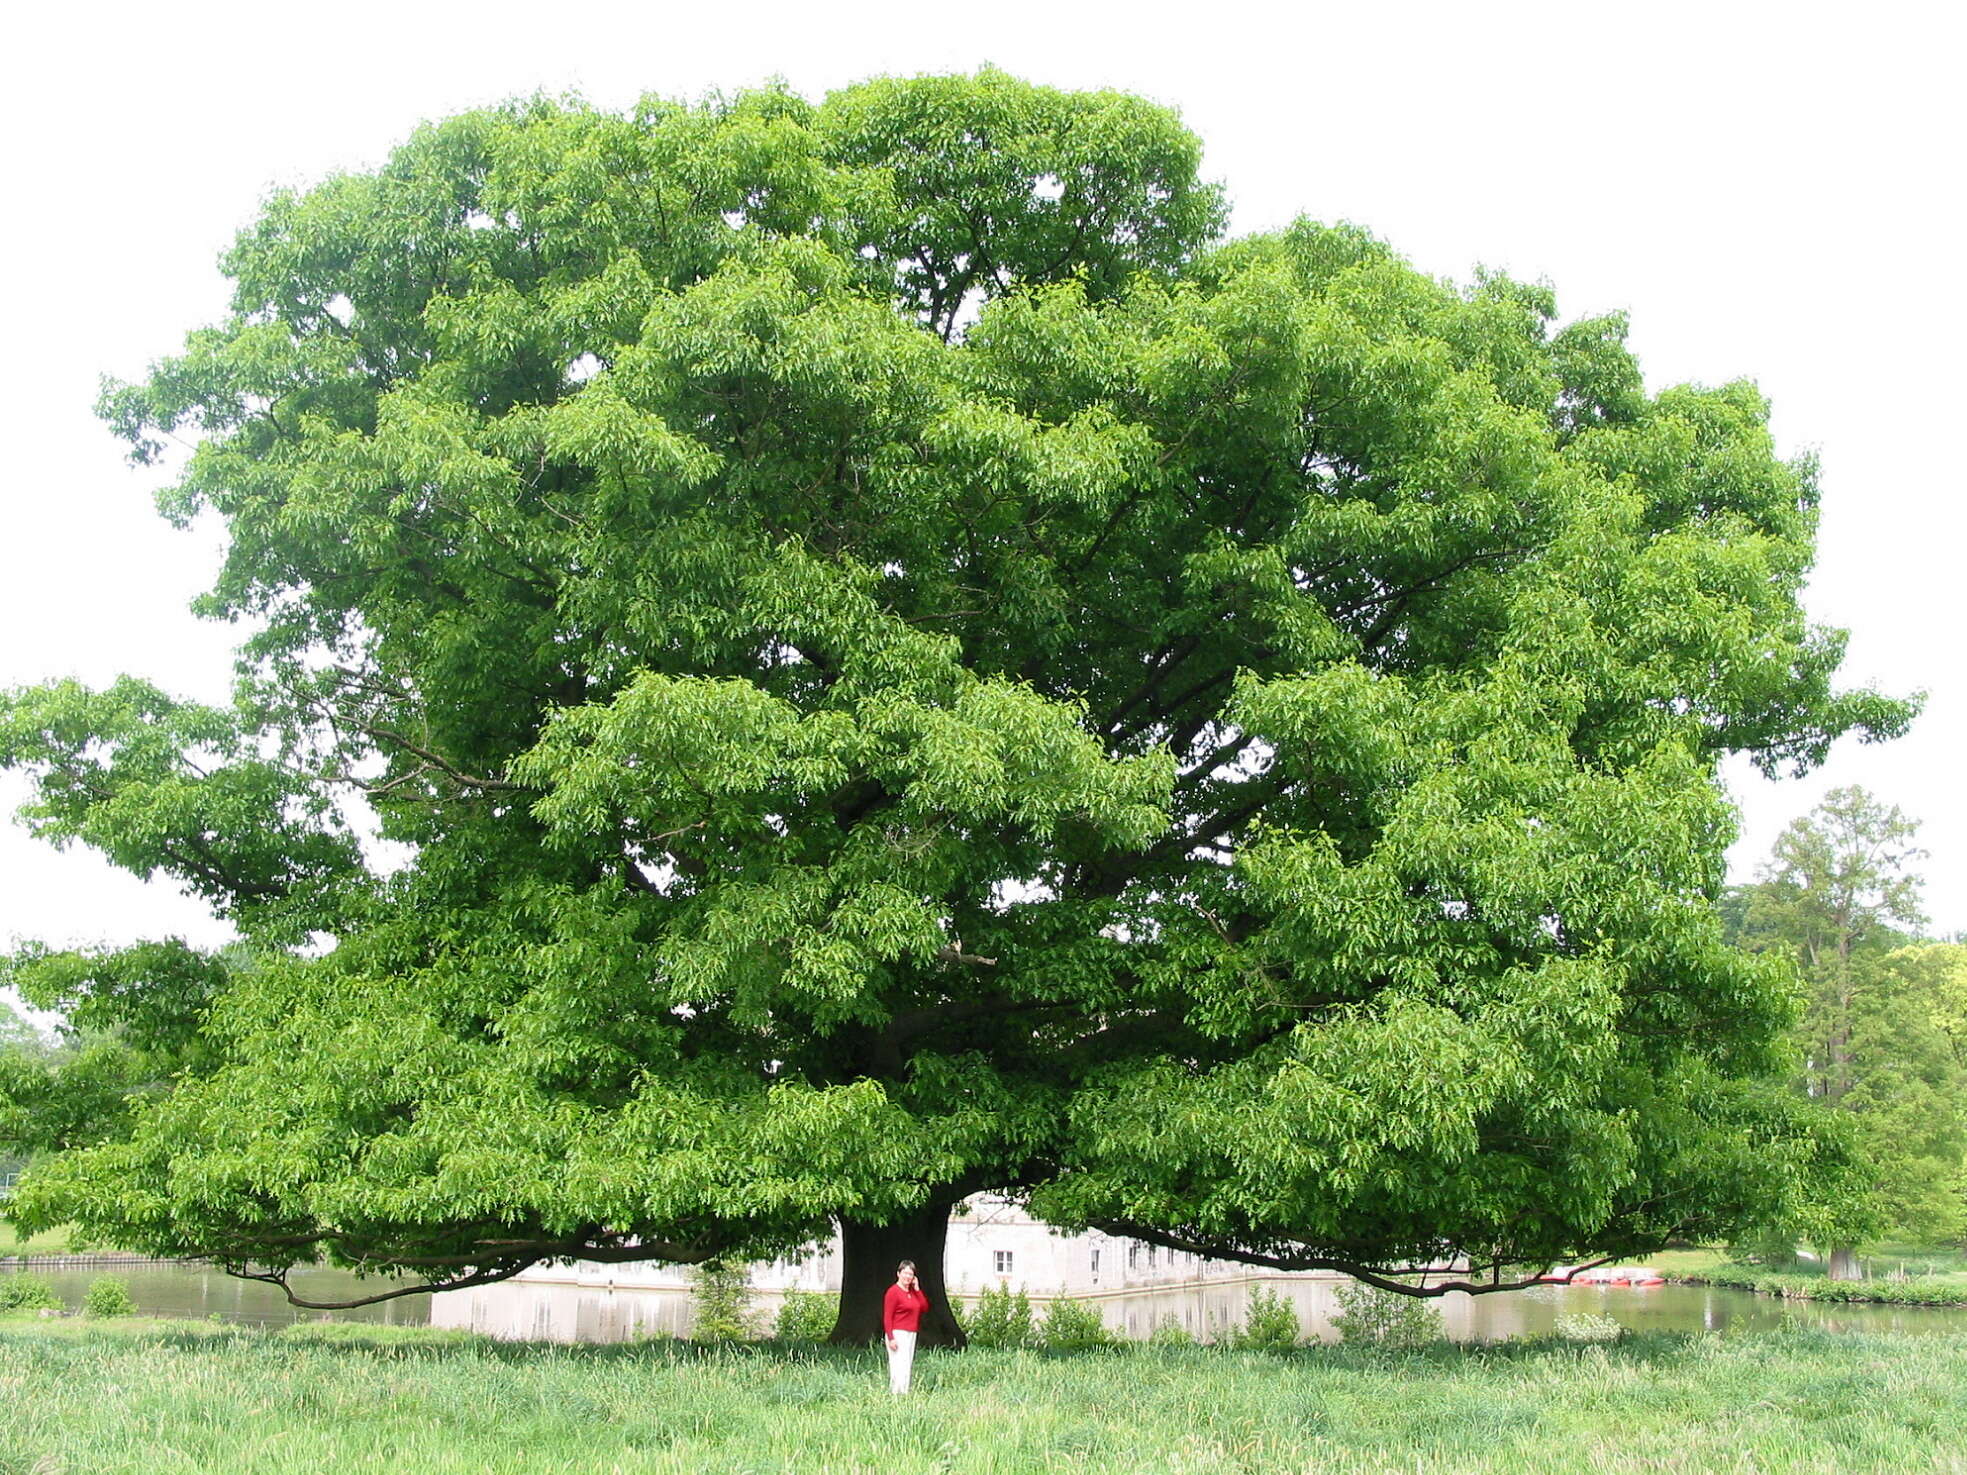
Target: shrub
(1001, 1317)
(27, 1293)
(1369, 1316)
(1586, 1326)
(1169, 1332)
(1073, 1326)
(1269, 1325)
(807, 1316)
(723, 1303)
(108, 1296)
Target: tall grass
(168, 1398)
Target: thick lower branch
(462, 1282)
(484, 1263)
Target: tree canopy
(894, 659)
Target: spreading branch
(433, 760)
(1382, 1276)
(487, 1262)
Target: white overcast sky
(1771, 190)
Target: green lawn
(1899, 1274)
(1683, 1262)
(163, 1398)
(50, 1242)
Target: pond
(537, 1311)
(545, 1311)
(200, 1291)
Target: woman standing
(901, 1318)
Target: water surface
(535, 1311)
(200, 1291)
(544, 1311)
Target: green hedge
(1916, 1291)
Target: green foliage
(720, 1300)
(108, 1296)
(1000, 1317)
(1073, 1326)
(1372, 1317)
(805, 1316)
(1586, 1326)
(1270, 1324)
(23, 1292)
(78, 1095)
(17, 1036)
(1169, 1332)
(1773, 1249)
(1883, 1035)
(898, 659)
(1938, 1290)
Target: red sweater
(901, 1311)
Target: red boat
(1604, 1275)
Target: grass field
(1895, 1274)
(161, 1398)
(50, 1242)
(1684, 1262)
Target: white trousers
(901, 1360)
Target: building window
(1133, 1257)
(1150, 1257)
(1096, 1263)
(1003, 1259)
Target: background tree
(128, 1025)
(20, 1043)
(902, 663)
(1876, 1039)
(16, 1033)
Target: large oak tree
(894, 660)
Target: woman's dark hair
(905, 1265)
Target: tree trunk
(869, 1254)
(1844, 1264)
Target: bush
(1073, 1326)
(723, 1303)
(807, 1316)
(1001, 1318)
(1270, 1324)
(108, 1296)
(1169, 1332)
(1586, 1326)
(1371, 1317)
(27, 1293)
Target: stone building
(992, 1242)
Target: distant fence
(83, 1260)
